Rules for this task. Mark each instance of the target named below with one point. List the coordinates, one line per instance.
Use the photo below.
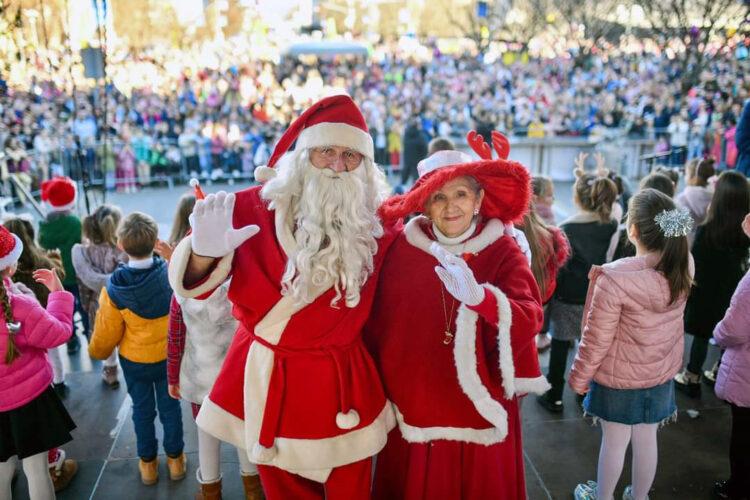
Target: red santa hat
(332, 121)
(59, 193)
(10, 248)
(506, 184)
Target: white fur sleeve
(178, 265)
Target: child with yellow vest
(133, 315)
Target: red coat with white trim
(458, 391)
(297, 389)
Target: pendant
(448, 338)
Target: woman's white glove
(458, 279)
(213, 234)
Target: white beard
(336, 226)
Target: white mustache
(332, 174)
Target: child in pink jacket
(633, 342)
(733, 385)
(26, 394)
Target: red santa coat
(297, 389)
(465, 391)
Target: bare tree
(590, 24)
(700, 29)
(10, 24)
(510, 21)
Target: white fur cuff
(264, 173)
(178, 266)
(538, 385)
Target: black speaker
(93, 62)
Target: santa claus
(298, 390)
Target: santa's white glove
(211, 221)
(458, 279)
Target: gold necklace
(448, 318)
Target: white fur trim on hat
(264, 173)
(62, 208)
(50, 194)
(13, 256)
(442, 159)
(336, 134)
(348, 420)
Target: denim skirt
(631, 406)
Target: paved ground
(560, 450)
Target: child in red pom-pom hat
(61, 229)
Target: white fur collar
(493, 230)
(456, 240)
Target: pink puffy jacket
(31, 373)
(733, 334)
(632, 335)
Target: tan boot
(149, 471)
(209, 491)
(253, 488)
(177, 467)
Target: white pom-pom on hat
(199, 194)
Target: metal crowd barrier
(94, 165)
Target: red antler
(501, 145)
(481, 148)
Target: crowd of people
(311, 264)
(224, 122)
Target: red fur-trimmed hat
(506, 184)
(10, 248)
(332, 121)
(59, 193)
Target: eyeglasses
(326, 156)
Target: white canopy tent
(325, 48)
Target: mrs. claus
(452, 332)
